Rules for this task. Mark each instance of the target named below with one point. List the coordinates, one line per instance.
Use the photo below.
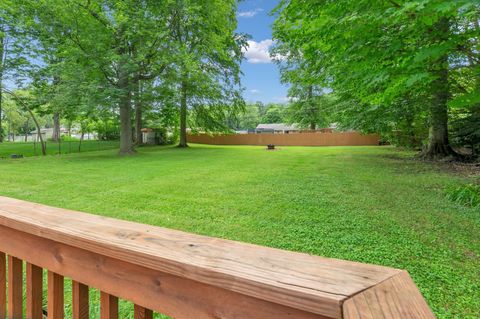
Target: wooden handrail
(190, 276)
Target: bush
(467, 195)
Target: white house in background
(276, 128)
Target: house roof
(277, 127)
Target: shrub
(467, 195)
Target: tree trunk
(39, 132)
(126, 143)
(311, 102)
(56, 127)
(409, 124)
(125, 101)
(438, 143)
(138, 114)
(81, 140)
(26, 128)
(183, 115)
(2, 65)
(1, 101)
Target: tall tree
(308, 103)
(309, 106)
(121, 41)
(14, 45)
(3, 54)
(377, 52)
(209, 53)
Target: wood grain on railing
(3, 285)
(108, 306)
(190, 276)
(80, 301)
(142, 313)
(56, 299)
(34, 292)
(15, 288)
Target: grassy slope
(367, 204)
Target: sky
(261, 77)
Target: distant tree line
(293, 112)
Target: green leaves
(467, 195)
(382, 53)
(466, 100)
(415, 78)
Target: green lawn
(368, 204)
(65, 147)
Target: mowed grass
(368, 204)
(66, 147)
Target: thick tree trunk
(438, 143)
(183, 116)
(56, 127)
(138, 114)
(126, 141)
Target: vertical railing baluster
(55, 296)
(142, 313)
(80, 301)
(3, 286)
(15, 288)
(108, 306)
(34, 292)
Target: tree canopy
(387, 61)
(124, 57)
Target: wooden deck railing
(181, 275)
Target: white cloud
(249, 14)
(258, 52)
(285, 99)
(255, 91)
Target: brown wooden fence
(293, 139)
(181, 275)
